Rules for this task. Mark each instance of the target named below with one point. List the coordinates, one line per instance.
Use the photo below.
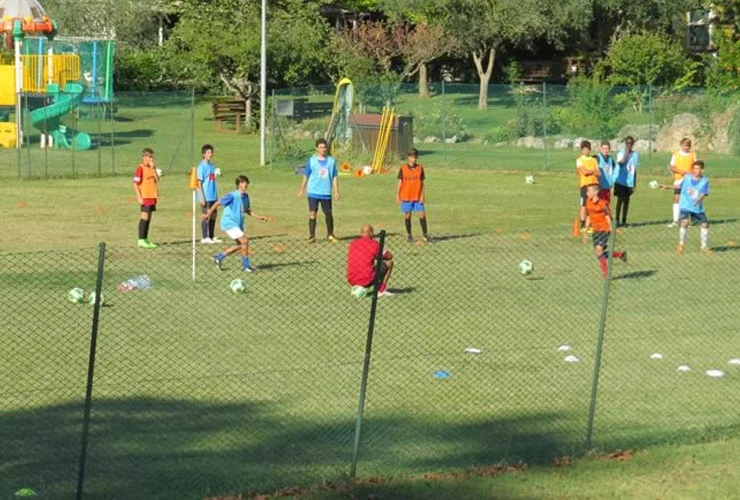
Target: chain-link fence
(200, 391)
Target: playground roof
(22, 9)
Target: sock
(329, 224)
(312, 228)
(682, 233)
(675, 212)
(211, 228)
(604, 266)
(625, 210)
(142, 229)
(620, 202)
(204, 228)
(407, 223)
(245, 262)
(618, 255)
(382, 287)
(704, 237)
(423, 222)
(146, 228)
(220, 256)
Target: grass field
(201, 392)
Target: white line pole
(263, 83)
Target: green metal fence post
(192, 124)
(650, 120)
(600, 341)
(444, 120)
(91, 371)
(366, 360)
(544, 123)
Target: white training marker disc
(571, 359)
(683, 368)
(472, 350)
(715, 373)
(656, 355)
(564, 347)
(734, 361)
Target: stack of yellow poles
(384, 135)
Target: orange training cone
(193, 182)
(576, 229)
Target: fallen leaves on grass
(280, 248)
(22, 204)
(562, 461)
(621, 455)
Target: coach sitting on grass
(361, 262)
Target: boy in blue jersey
(694, 188)
(607, 169)
(626, 179)
(207, 193)
(320, 179)
(236, 204)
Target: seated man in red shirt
(361, 261)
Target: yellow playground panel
(64, 67)
(7, 135)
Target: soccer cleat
(679, 249)
(410, 238)
(427, 238)
(206, 241)
(217, 261)
(332, 239)
(623, 258)
(385, 293)
(142, 244)
(248, 269)
(310, 240)
(706, 251)
(216, 240)
(673, 224)
(151, 245)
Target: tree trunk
(423, 82)
(484, 75)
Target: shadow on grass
(160, 449)
(402, 291)
(725, 249)
(450, 237)
(668, 221)
(635, 275)
(278, 266)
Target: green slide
(48, 119)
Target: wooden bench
(302, 109)
(236, 111)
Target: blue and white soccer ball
(76, 296)
(529, 179)
(526, 267)
(359, 291)
(238, 286)
(91, 298)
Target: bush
(532, 118)
(593, 108)
(443, 118)
(138, 70)
(501, 134)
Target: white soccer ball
(91, 298)
(76, 295)
(654, 184)
(367, 170)
(160, 172)
(217, 172)
(359, 291)
(529, 179)
(238, 286)
(526, 267)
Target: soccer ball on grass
(526, 267)
(238, 286)
(91, 298)
(529, 179)
(359, 291)
(76, 296)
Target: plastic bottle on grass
(138, 283)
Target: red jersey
(361, 261)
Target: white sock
(682, 234)
(675, 212)
(704, 237)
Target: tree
(483, 27)
(219, 41)
(645, 59)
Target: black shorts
(584, 196)
(205, 208)
(313, 205)
(621, 191)
(148, 208)
(677, 191)
(600, 239)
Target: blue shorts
(412, 206)
(694, 217)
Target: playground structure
(48, 78)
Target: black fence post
(91, 371)
(366, 361)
